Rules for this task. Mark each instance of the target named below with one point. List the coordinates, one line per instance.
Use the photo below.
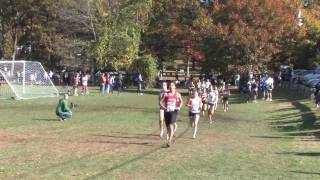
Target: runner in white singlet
(162, 93)
(194, 105)
(212, 102)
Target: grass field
(116, 137)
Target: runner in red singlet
(171, 102)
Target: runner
(198, 84)
(191, 87)
(171, 102)
(225, 98)
(208, 84)
(212, 101)
(163, 92)
(203, 86)
(269, 85)
(204, 97)
(263, 87)
(254, 90)
(194, 105)
(217, 97)
(221, 89)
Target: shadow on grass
(295, 123)
(313, 154)
(273, 137)
(125, 137)
(286, 115)
(304, 172)
(139, 157)
(126, 143)
(44, 119)
(285, 121)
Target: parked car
(309, 76)
(312, 83)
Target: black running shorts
(170, 117)
(192, 114)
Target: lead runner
(171, 103)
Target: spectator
(63, 110)
(103, 81)
(84, 81)
(119, 83)
(75, 83)
(108, 83)
(111, 83)
(237, 80)
(138, 80)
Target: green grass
(116, 137)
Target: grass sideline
(116, 137)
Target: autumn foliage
(239, 32)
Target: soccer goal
(25, 80)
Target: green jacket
(63, 106)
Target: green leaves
(119, 29)
(147, 66)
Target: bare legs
(225, 105)
(210, 113)
(161, 120)
(203, 109)
(170, 132)
(194, 124)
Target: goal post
(25, 80)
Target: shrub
(147, 66)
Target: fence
(300, 89)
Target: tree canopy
(219, 34)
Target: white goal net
(25, 80)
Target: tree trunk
(3, 40)
(188, 67)
(31, 40)
(15, 45)
(91, 21)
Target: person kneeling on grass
(63, 110)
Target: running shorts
(170, 117)
(225, 99)
(192, 114)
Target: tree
(147, 66)
(119, 26)
(257, 29)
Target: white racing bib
(171, 106)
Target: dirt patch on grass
(110, 144)
(8, 139)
